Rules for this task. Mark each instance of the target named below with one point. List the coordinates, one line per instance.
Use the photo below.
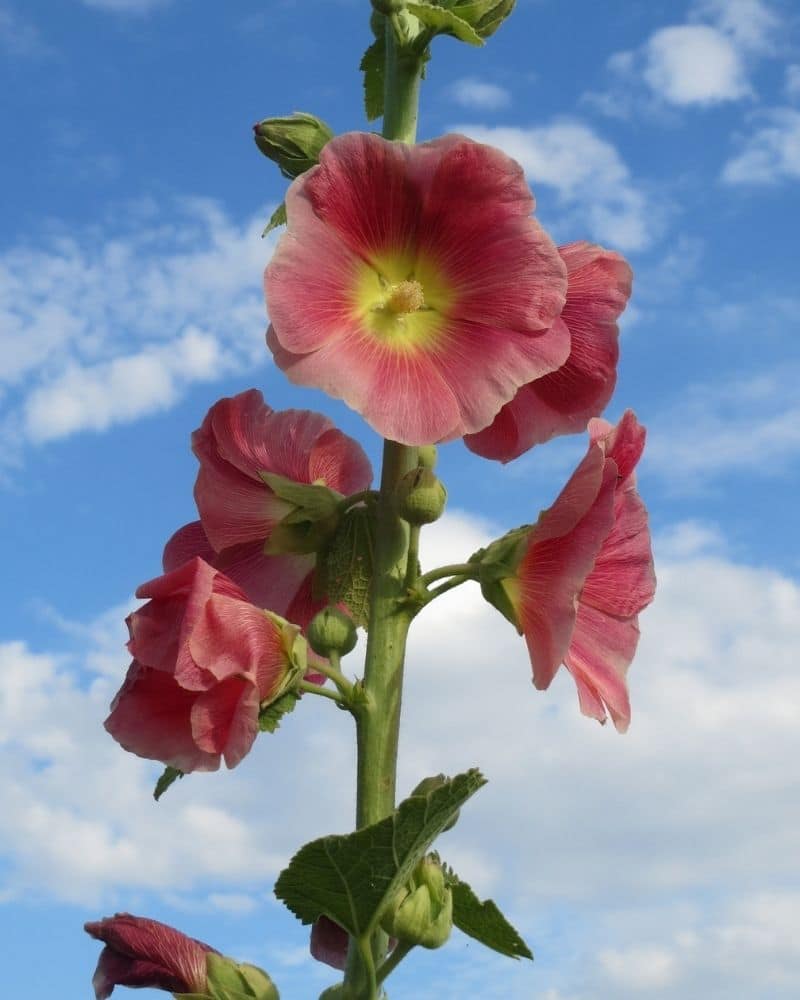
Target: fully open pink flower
(413, 283)
(145, 953)
(204, 660)
(583, 573)
(240, 438)
(561, 402)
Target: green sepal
(497, 569)
(271, 715)
(443, 21)
(310, 525)
(293, 141)
(296, 647)
(344, 569)
(373, 66)
(422, 912)
(229, 980)
(485, 16)
(278, 218)
(483, 921)
(352, 878)
(170, 775)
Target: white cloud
(473, 93)
(662, 844)
(694, 64)
(112, 323)
(771, 154)
(747, 423)
(589, 175)
(751, 24)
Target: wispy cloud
(476, 94)
(19, 37)
(111, 323)
(588, 174)
(771, 153)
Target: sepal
(422, 912)
(497, 567)
(313, 521)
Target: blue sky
(655, 865)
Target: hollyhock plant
(140, 952)
(205, 660)
(413, 283)
(574, 583)
(561, 402)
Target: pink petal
(329, 942)
(561, 553)
(600, 652)
(340, 462)
(150, 716)
(187, 543)
(624, 443)
(225, 719)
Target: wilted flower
(205, 659)
(413, 283)
(561, 402)
(574, 583)
(145, 953)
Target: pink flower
(145, 953)
(240, 438)
(204, 661)
(561, 402)
(580, 576)
(329, 942)
(412, 283)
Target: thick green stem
(378, 718)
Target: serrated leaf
(351, 878)
(170, 775)
(278, 218)
(444, 22)
(483, 921)
(345, 568)
(373, 65)
(270, 718)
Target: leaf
(170, 775)
(373, 64)
(344, 572)
(278, 218)
(270, 718)
(352, 878)
(483, 921)
(444, 22)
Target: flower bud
(229, 978)
(420, 497)
(293, 142)
(426, 456)
(331, 631)
(388, 6)
(422, 913)
(483, 16)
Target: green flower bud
(331, 631)
(497, 567)
(430, 785)
(420, 497)
(422, 913)
(293, 142)
(483, 16)
(388, 6)
(338, 992)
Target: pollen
(405, 297)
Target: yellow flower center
(405, 297)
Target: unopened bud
(422, 913)
(331, 631)
(420, 497)
(229, 978)
(426, 456)
(293, 142)
(483, 16)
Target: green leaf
(444, 22)
(483, 921)
(373, 64)
(352, 878)
(170, 775)
(270, 718)
(278, 218)
(314, 498)
(344, 571)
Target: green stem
(467, 570)
(363, 496)
(454, 581)
(308, 688)
(333, 673)
(412, 564)
(391, 963)
(378, 715)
